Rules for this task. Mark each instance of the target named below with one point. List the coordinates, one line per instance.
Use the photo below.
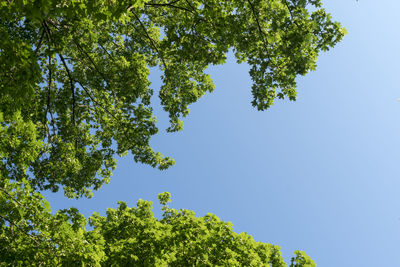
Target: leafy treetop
(31, 236)
(74, 87)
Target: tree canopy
(127, 237)
(75, 75)
(75, 92)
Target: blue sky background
(321, 174)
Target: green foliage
(31, 236)
(75, 92)
(302, 260)
(77, 71)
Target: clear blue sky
(321, 174)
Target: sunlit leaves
(31, 235)
(75, 92)
(78, 72)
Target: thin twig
(170, 5)
(40, 42)
(93, 100)
(151, 40)
(48, 96)
(194, 9)
(105, 50)
(71, 81)
(5, 191)
(22, 230)
(91, 61)
(291, 14)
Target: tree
(74, 87)
(77, 72)
(127, 237)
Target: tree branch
(105, 50)
(86, 54)
(290, 12)
(71, 81)
(94, 100)
(171, 5)
(49, 82)
(194, 9)
(21, 229)
(150, 39)
(40, 42)
(8, 194)
(258, 25)
(46, 27)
